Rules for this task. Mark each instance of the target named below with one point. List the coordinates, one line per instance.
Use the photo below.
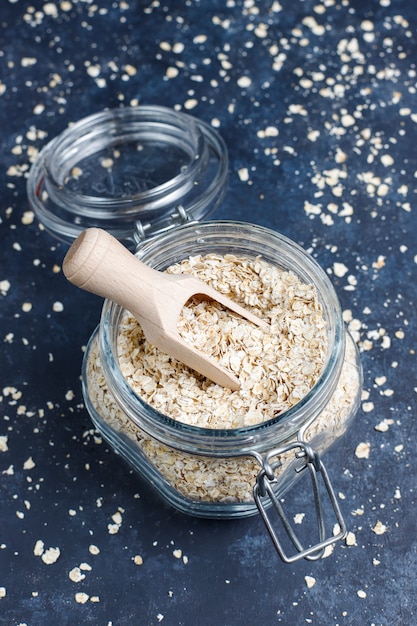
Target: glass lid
(134, 171)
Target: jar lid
(134, 171)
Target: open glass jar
(207, 472)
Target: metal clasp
(145, 230)
(266, 492)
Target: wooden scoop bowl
(99, 263)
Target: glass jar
(148, 175)
(211, 472)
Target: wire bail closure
(265, 495)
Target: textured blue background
(60, 61)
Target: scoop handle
(97, 262)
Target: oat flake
(310, 581)
(362, 450)
(379, 528)
(51, 555)
(81, 598)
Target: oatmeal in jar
(276, 367)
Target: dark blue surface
(358, 59)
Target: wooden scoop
(99, 263)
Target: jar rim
(235, 440)
(120, 167)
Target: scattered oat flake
(28, 61)
(93, 70)
(379, 528)
(85, 567)
(117, 518)
(76, 575)
(368, 407)
(113, 529)
(361, 594)
(138, 560)
(4, 287)
(58, 307)
(28, 217)
(3, 443)
(171, 72)
(244, 81)
(81, 598)
(3, 592)
(51, 555)
(29, 464)
(383, 426)
(243, 174)
(310, 581)
(362, 450)
(328, 551)
(367, 25)
(130, 70)
(340, 269)
(50, 9)
(191, 103)
(350, 539)
(94, 549)
(177, 554)
(387, 160)
(39, 548)
(347, 120)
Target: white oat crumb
(191, 103)
(244, 82)
(117, 518)
(310, 581)
(368, 407)
(39, 548)
(362, 450)
(81, 597)
(350, 539)
(113, 529)
(379, 528)
(340, 269)
(29, 464)
(243, 174)
(51, 555)
(76, 575)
